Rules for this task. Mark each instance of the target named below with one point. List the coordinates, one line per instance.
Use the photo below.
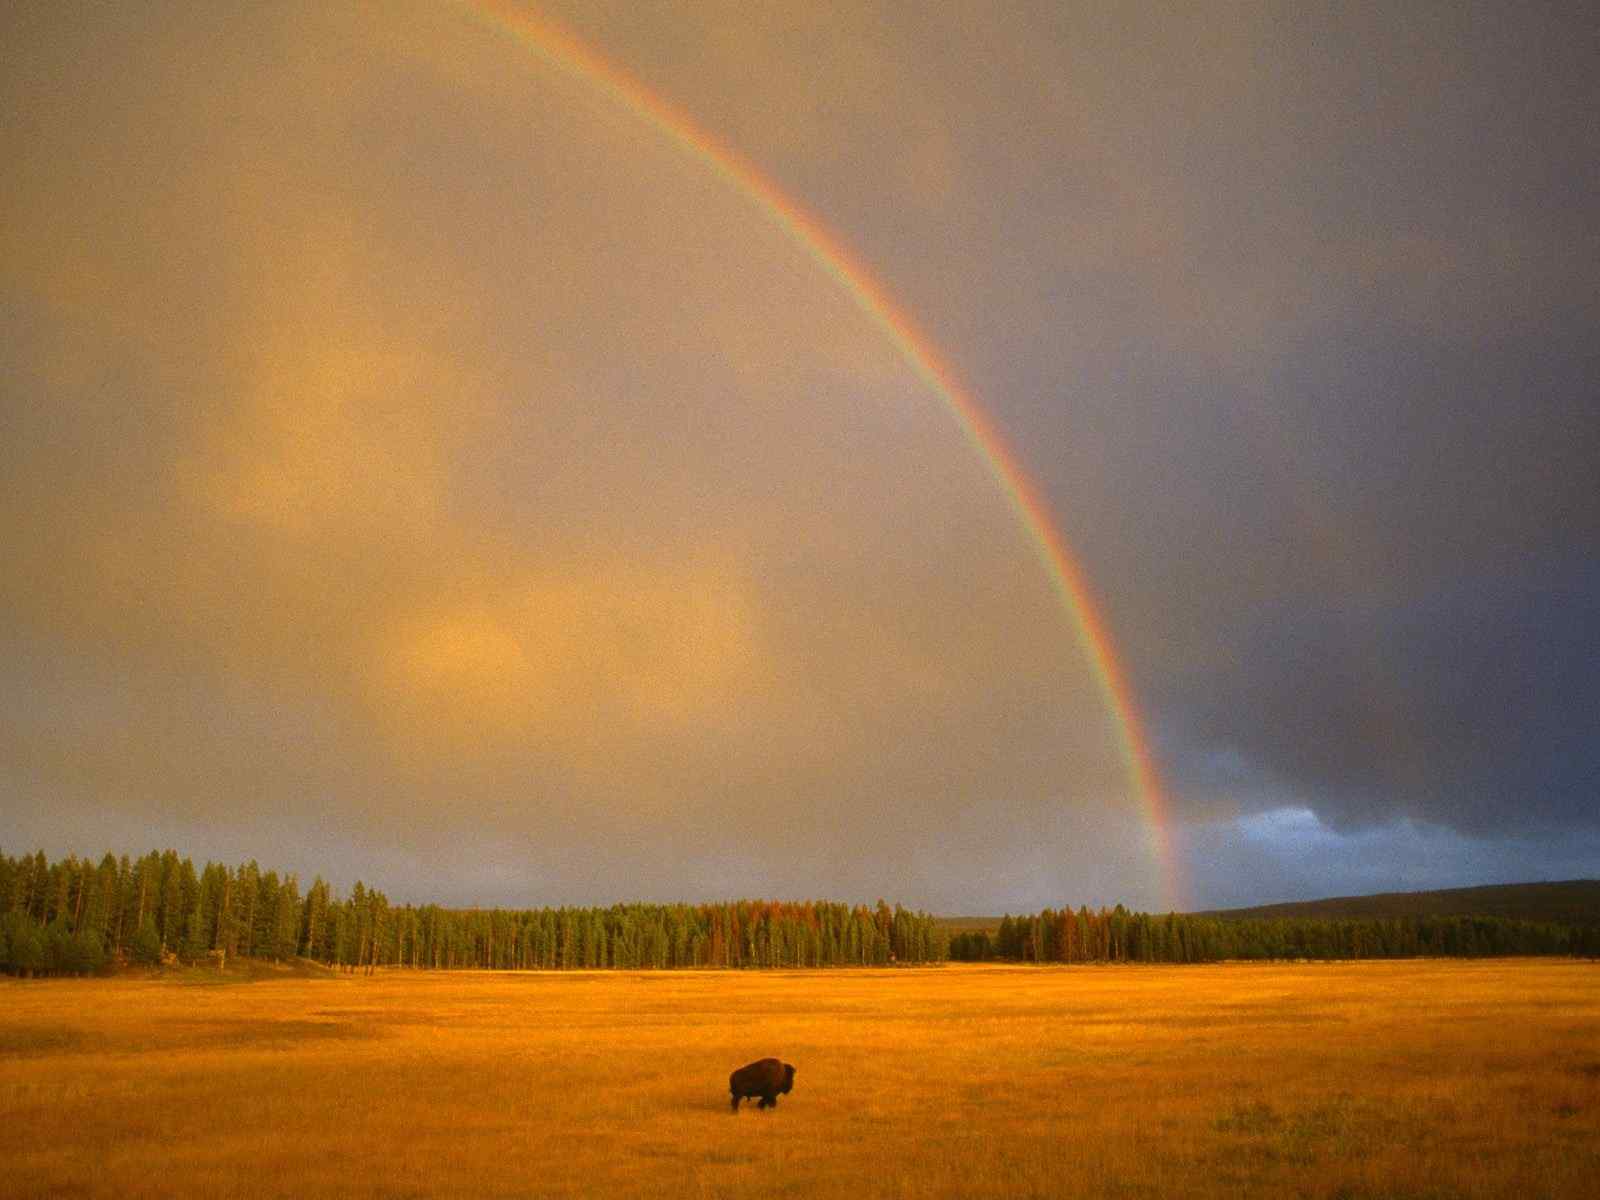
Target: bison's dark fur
(767, 1078)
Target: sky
(418, 465)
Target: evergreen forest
(75, 916)
(1117, 935)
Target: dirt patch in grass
(26, 1041)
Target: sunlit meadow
(1374, 1079)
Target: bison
(767, 1078)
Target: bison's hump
(763, 1075)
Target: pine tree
(316, 920)
(247, 885)
(147, 943)
(58, 945)
(123, 926)
(286, 919)
(171, 912)
(26, 945)
(196, 942)
(85, 954)
(39, 899)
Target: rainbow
(563, 50)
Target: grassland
(1370, 1079)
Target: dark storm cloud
(1470, 708)
(1404, 624)
(1291, 308)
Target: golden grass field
(1358, 1079)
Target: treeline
(75, 916)
(1117, 935)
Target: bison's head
(788, 1078)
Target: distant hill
(1574, 902)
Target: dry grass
(1372, 1079)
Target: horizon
(342, 889)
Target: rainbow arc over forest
(562, 49)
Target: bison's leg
(767, 1101)
(736, 1099)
